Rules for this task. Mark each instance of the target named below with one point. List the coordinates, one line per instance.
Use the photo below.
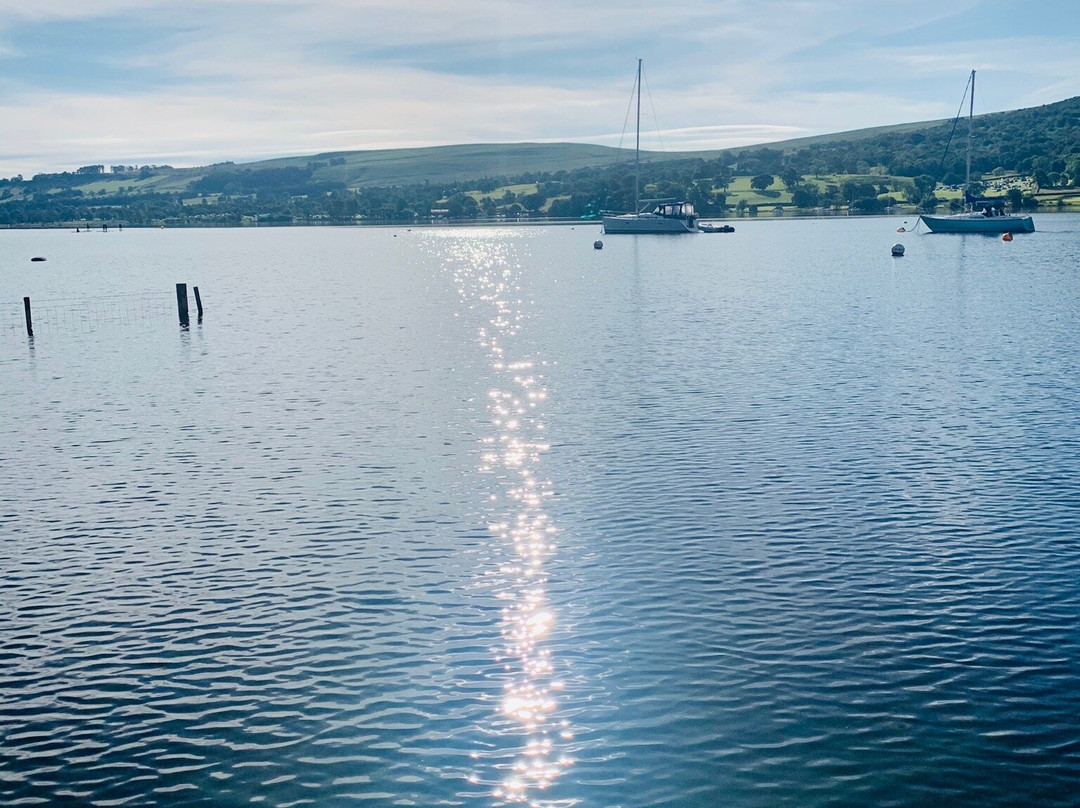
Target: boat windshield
(675, 209)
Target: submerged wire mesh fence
(69, 315)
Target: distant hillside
(442, 164)
(1039, 148)
(1003, 141)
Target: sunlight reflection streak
(484, 274)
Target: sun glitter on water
(486, 282)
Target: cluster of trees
(1042, 143)
(285, 181)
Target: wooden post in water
(29, 319)
(182, 304)
(198, 302)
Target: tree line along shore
(1029, 158)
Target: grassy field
(162, 181)
(443, 164)
(739, 190)
(518, 190)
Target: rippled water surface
(488, 517)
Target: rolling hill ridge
(1036, 149)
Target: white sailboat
(650, 215)
(990, 219)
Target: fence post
(182, 304)
(29, 319)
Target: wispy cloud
(139, 81)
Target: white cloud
(243, 79)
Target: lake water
(488, 517)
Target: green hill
(443, 164)
(1039, 147)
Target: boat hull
(649, 223)
(977, 223)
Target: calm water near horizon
(486, 517)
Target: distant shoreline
(96, 227)
(461, 224)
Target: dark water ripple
(229, 585)
(489, 517)
(844, 553)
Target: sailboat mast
(971, 123)
(637, 145)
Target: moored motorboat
(665, 216)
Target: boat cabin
(670, 209)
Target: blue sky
(192, 83)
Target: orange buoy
(1007, 237)
(901, 229)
